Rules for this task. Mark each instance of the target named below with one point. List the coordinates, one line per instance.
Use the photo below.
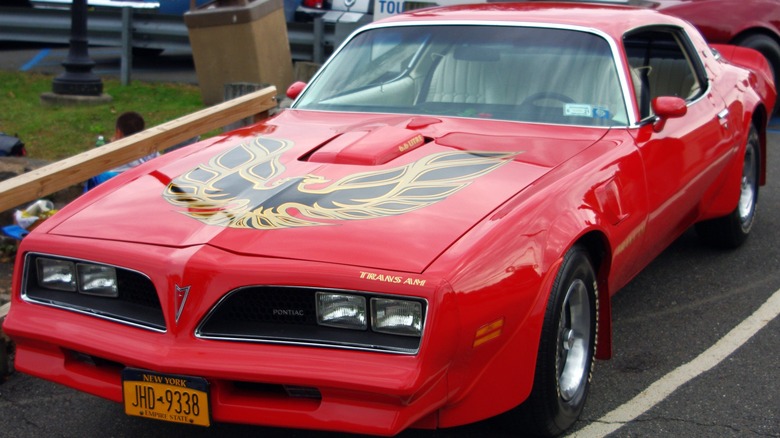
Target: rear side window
(662, 65)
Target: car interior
(660, 66)
(502, 72)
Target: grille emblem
(288, 312)
(181, 298)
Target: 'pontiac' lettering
(288, 312)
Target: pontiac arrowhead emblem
(181, 298)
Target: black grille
(288, 315)
(137, 303)
(270, 305)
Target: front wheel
(566, 349)
(732, 230)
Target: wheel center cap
(568, 339)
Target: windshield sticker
(584, 110)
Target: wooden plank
(4, 311)
(79, 168)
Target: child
(127, 123)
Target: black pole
(78, 78)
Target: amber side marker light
(488, 332)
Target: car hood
(388, 192)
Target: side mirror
(667, 107)
(295, 89)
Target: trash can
(239, 41)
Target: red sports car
(428, 237)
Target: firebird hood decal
(245, 187)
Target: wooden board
(74, 170)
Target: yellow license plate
(177, 399)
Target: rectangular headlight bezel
(56, 274)
(341, 310)
(386, 318)
(97, 280)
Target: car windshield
(515, 73)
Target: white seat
(464, 76)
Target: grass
(56, 132)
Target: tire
(769, 48)
(732, 230)
(566, 350)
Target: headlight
(397, 317)
(86, 278)
(341, 310)
(391, 316)
(97, 280)
(57, 274)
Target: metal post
(319, 31)
(78, 78)
(126, 64)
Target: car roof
(614, 20)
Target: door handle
(723, 116)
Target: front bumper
(357, 391)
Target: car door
(682, 154)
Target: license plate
(177, 399)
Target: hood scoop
(368, 147)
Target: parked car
(164, 7)
(754, 23)
(167, 7)
(428, 237)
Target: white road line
(664, 387)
